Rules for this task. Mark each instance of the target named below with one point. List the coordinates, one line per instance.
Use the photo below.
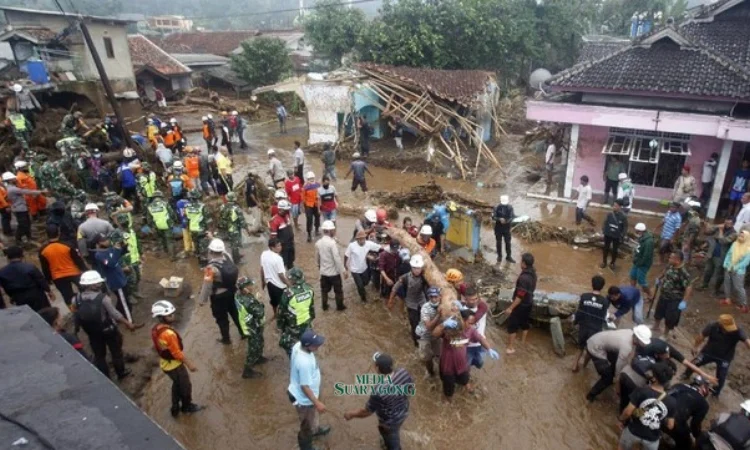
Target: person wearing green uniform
(198, 222)
(131, 263)
(146, 180)
(691, 230)
(296, 310)
(643, 258)
(162, 218)
(675, 292)
(21, 129)
(252, 318)
(231, 223)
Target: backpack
(176, 185)
(229, 274)
(89, 315)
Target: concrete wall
(590, 160)
(365, 102)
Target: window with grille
(653, 158)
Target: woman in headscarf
(735, 265)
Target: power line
(263, 13)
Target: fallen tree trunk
(432, 273)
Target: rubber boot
(305, 444)
(250, 373)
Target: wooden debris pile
(453, 134)
(534, 232)
(427, 195)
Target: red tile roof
(462, 86)
(145, 53)
(220, 43)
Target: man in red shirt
(293, 187)
(282, 230)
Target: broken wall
(324, 103)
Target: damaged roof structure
(155, 68)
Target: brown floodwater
(529, 400)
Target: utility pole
(105, 82)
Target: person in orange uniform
(192, 165)
(173, 362)
(209, 133)
(170, 141)
(36, 203)
(426, 241)
(178, 134)
(62, 264)
(5, 214)
(311, 200)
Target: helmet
(231, 197)
(296, 275)
(433, 292)
(128, 153)
(285, 205)
(150, 121)
(416, 261)
(279, 194)
(7, 176)
(642, 333)
(371, 216)
(309, 175)
(640, 226)
(172, 120)
(426, 230)
(216, 245)
(356, 155)
(91, 207)
(235, 113)
(204, 118)
(381, 214)
(504, 199)
(271, 152)
(164, 125)
(328, 225)
(745, 406)
(20, 164)
(210, 116)
(17, 87)
(162, 308)
(245, 281)
(177, 165)
(404, 254)
(91, 277)
(454, 276)
(158, 193)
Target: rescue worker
(275, 168)
(61, 264)
(676, 290)
(192, 165)
(281, 228)
(146, 183)
(293, 187)
(21, 127)
(61, 217)
(503, 216)
(220, 284)
(231, 224)
(412, 289)
(252, 316)
(26, 103)
(18, 206)
(170, 141)
(215, 136)
(426, 241)
(204, 169)
(172, 361)
(132, 262)
(429, 318)
(36, 202)
(296, 310)
(89, 231)
(178, 134)
(5, 211)
(198, 223)
(119, 210)
(455, 278)
(356, 262)
(731, 431)
(51, 177)
(311, 200)
(692, 408)
(126, 175)
(152, 134)
(24, 282)
(97, 316)
(71, 124)
(209, 133)
(179, 183)
(691, 228)
(161, 217)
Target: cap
(727, 322)
(383, 362)
(642, 333)
(433, 292)
(311, 339)
(658, 347)
(504, 199)
(91, 207)
(622, 176)
(640, 226)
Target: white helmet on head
(416, 262)
(271, 152)
(285, 205)
(128, 153)
(17, 87)
(642, 333)
(164, 124)
(328, 225)
(217, 246)
(91, 207)
(504, 199)
(91, 277)
(640, 226)
(172, 120)
(235, 113)
(310, 175)
(356, 155)
(204, 118)
(371, 215)
(426, 230)
(150, 121)
(7, 176)
(162, 308)
(280, 194)
(20, 164)
(177, 165)
(745, 406)
(210, 116)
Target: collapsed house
(453, 109)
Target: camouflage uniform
(76, 206)
(674, 283)
(198, 222)
(113, 202)
(68, 125)
(252, 318)
(294, 315)
(52, 178)
(231, 223)
(162, 217)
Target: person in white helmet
(412, 289)
(90, 230)
(311, 200)
(275, 169)
(330, 265)
(26, 103)
(281, 227)
(356, 263)
(503, 216)
(172, 360)
(18, 206)
(365, 223)
(219, 285)
(5, 213)
(358, 168)
(208, 130)
(425, 240)
(128, 181)
(241, 127)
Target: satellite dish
(538, 77)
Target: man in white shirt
(304, 388)
(275, 169)
(584, 197)
(273, 273)
(355, 261)
(299, 160)
(549, 162)
(707, 177)
(330, 266)
(743, 217)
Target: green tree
(333, 29)
(263, 61)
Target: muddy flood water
(529, 400)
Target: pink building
(668, 99)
